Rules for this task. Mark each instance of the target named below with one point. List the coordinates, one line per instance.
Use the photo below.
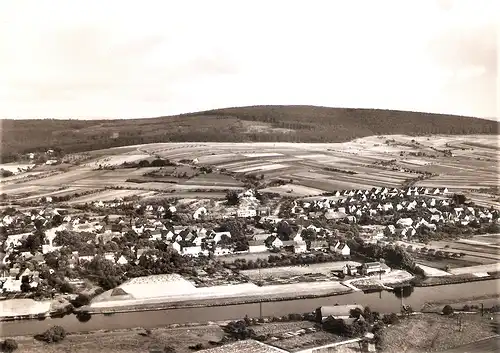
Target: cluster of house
(247, 208)
(297, 244)
(429, 209)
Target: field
(128, 341)
(290, 272)
(305, 169)
(432, 333)
(433, 272)
(391, 278)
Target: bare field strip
(263, 167)
(296, 190)
(108, 195)
(332, 185)
(17, 189)
(59, 193)
(67, 177)
(186, 187)
(476, 269)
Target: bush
(81, 300)
(390, 319)
(52, 335)
(9, 345)
(447, 310)
(196, 347)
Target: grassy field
(129, 341)
(433, 333)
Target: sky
(88, 59)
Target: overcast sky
(110, 58)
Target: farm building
(369, 268)
(336, 311)
(246, 212)
(255, 246)
(342, 249)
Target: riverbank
(150, 305)
(383, 302)
(416, 333)
(453, 279)
(488, 300)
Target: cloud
(149, 58)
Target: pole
(260, 303)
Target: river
(381, 301)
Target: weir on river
(383, 302)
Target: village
(53, 252)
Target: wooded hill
(243, 124)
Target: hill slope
(258, 123)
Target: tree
(232, 198)
(81, 300)
(52, 335)
(66, 287)
(447, 310)
(34, 241)
(9, 345)
(458, 199)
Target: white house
(109, 256)
(122, 260)
(219, 251)
(299, 246)
(246, 212)
(342, 249)
(176, 246)
(200, 212)
(405, 222)
(274, 242)
(408, 232)
(256, 246)
(191, 251)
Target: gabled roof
(337, 310)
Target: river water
(381, 301)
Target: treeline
(302, 124)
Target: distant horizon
(243, 106)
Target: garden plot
(391, 278)
(174, 288)
(291, 271)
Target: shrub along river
(384, 302)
